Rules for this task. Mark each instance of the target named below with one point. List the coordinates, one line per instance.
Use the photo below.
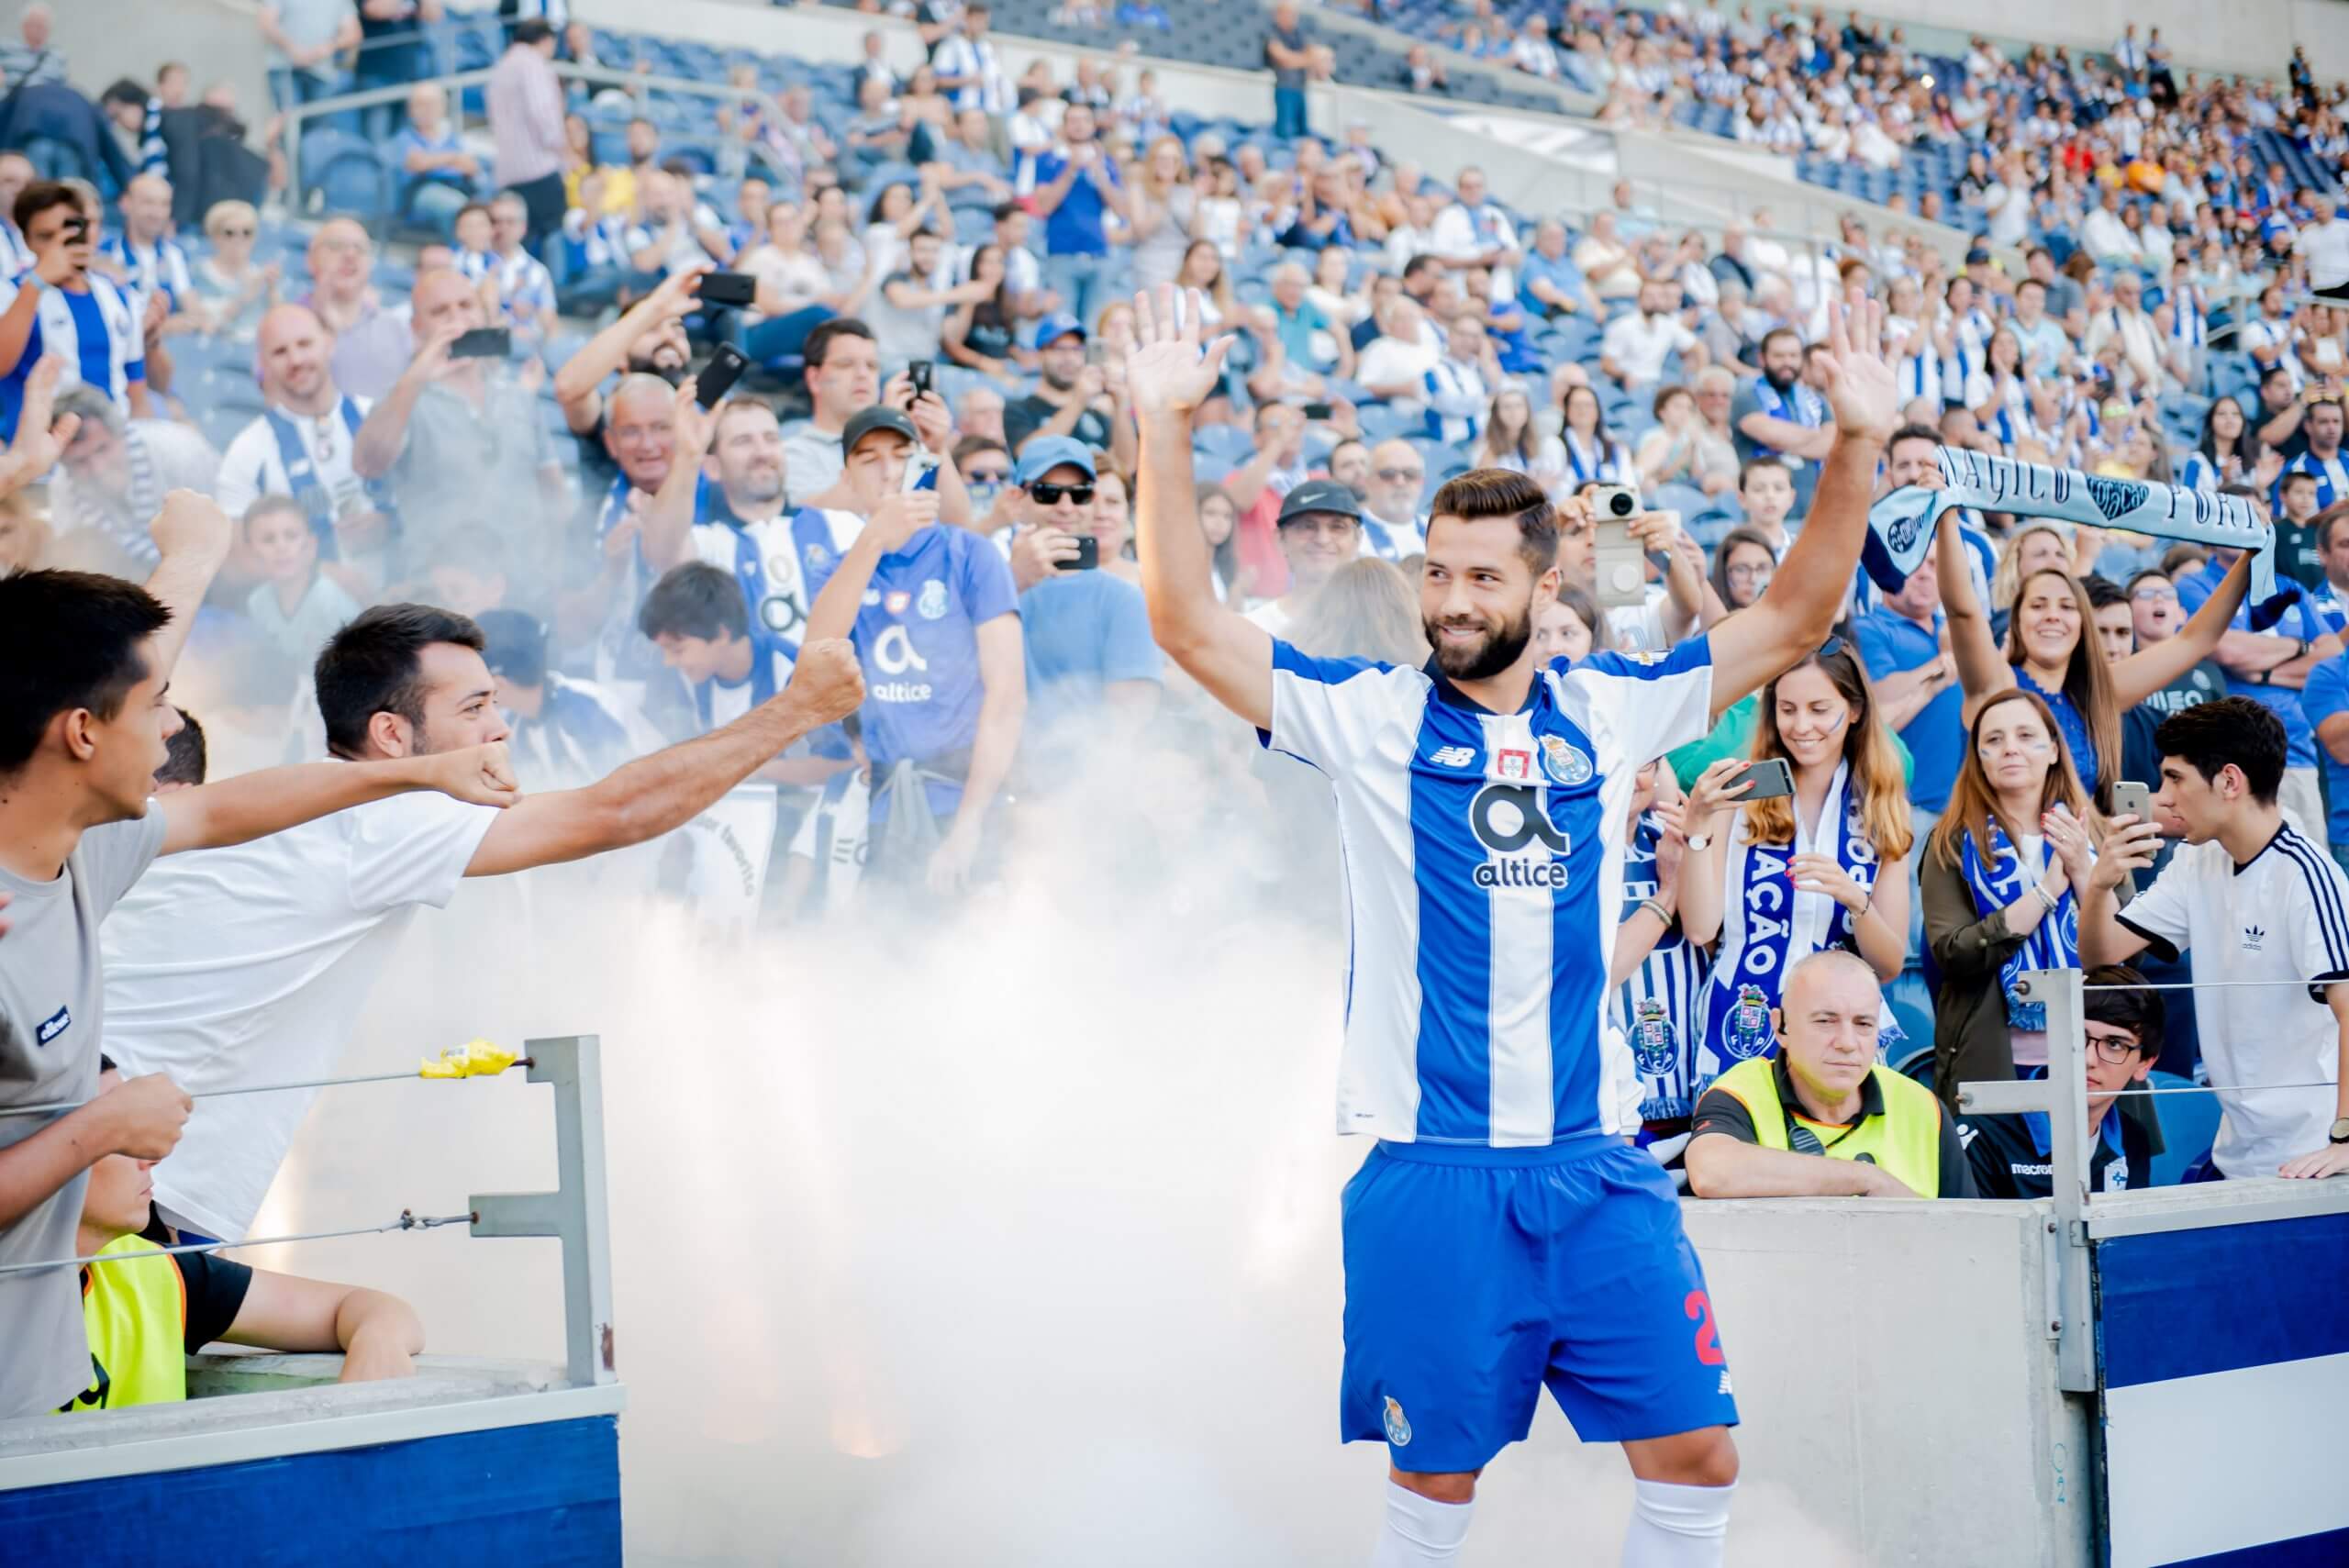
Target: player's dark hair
(824, 334)
(68, 640)
(2138, 1008)
(187, 761)
(2212, 736)
(1500, 492)
(695, 600)
(375, 665)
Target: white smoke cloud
(1007, 1238)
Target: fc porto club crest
(1565, 762)
(1399, 1425)
(931, 606)
(1748, 1024)
(1651, 1040)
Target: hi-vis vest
(1906, 1139)
(136, 1314)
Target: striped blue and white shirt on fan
(96, 332)
(161, 266)
(1655, 1005)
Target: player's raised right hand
(1168, 372)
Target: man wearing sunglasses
(61, 307)
(1093, 670)
(1393, 526)
(2010, 1154)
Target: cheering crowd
(755, 524)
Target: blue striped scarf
(2054, 943)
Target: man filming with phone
(458, 436)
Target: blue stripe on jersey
(90, 335)
(1578, 976)
(1455, 962)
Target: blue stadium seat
(348, 171)
(2189, 1124)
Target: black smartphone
(483, 344)
(739, 289)
(918, 377)
(718, 377)
(1318, 411)
(1088, 555)
(1771, 776)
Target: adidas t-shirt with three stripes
(2283, 917)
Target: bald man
(373, 344)
(149, 261)
(460, 438)
(305, 442)
(1393, 526)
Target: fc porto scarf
(2054, 943)
(1778, 931)
(1900, 526)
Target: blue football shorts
(1475, 1276)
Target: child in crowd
(297, 606)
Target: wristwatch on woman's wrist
(1701, 841)
(2341, 1130)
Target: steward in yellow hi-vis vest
(1900, 1126)
(144, 1316)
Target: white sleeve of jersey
(1638, 706)
(2320, 922)
(1334, 713)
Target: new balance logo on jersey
(1452, 756)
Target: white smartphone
(1622, 578)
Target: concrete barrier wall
(1893, 1363)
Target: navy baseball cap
(1319, 495)
(880, 417)
(1046, 453)
(1052, 328)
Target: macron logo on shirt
(56, 1024)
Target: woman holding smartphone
(1776, 877)
(1998, 884)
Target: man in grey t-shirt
(83, 728)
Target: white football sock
(1676, 1527)
(1421, 1532)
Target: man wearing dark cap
(1073, 399)
(566, 734)
(1320, 529)
(1093, 669)
(935, 619)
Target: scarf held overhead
(1900, 526)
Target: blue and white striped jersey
(1484, 857)
(1656, 1005)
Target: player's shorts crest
(1565, 762)
(1399, 1425)
(1749, 1023)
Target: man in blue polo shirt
(935, 619)
(61, 307)
(1072, 185)
(1093, 669)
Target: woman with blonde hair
(1780, 878)
(1367, 610)
(1166, 207)
(235, 291)
(1203, 271)
(1999, 883)
(2034, 547)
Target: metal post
(575, 1211)
(2062, 1097)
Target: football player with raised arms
(1503, 1235)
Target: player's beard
(1481, 661)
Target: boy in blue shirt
(935, 619)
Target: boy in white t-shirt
(2260, 908)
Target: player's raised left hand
(1169, 372)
